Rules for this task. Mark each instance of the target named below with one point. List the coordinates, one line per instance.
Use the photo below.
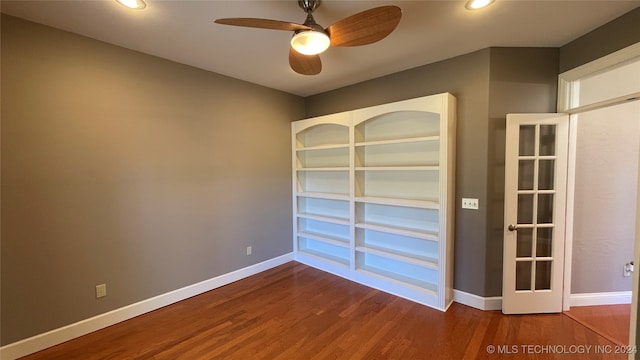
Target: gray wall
(130, 170)
(605, 198)
(488, 84)
(606, 39)
(522, 80)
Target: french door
(535, 201)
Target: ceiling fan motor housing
(310, 22)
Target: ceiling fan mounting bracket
(308, 5)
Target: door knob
(513, 227)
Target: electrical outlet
(627, 269)
(101, 291)
(249, 250)
(468, 203)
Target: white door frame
(635, 278)
(568, 90)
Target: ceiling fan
(310, 39)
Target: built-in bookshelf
(371, 193)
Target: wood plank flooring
(297, 312)
(610, 321)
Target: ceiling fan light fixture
(133, 4)
(478, 4)
(310, 42)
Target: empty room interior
(434, 180)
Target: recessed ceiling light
(478, 4)
(133, 4)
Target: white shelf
(541, 157)
(322, 133)
(425, 235)
(323, 147)
(324, 169)
(420, 204)
(428, 262)
(398, 184)
(334, 240)
(370, 189)
(329, 196)
(398, 141)
(395, 124)
(330, 219)
(417, 284)
(323, 157)
(397, 168)
(532, 192)
(325, 257)
(325, 181)
(397, 153)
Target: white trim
(604, 103)
(602, 63)
(478, 302)
(633, 335)
(57, 336)
(566, 79)
(604, 298)
(571, 183)
(589, 299)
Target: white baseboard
(478, 302)
(57, 336)
(606, 298)
(591, 299)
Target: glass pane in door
(545, 208)
(543, 275)
(547, 144)
(525, 208)
(524, 245)
(527, 140)
(526, 170)
(543, 242)
(546, 172)
(523, 275)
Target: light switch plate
(468, 203)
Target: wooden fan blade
(365, 27)
(262, 24)
(304, 64)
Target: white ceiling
(183, 31)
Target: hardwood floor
(610, 321)
(297, 312)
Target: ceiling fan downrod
(309, 6)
